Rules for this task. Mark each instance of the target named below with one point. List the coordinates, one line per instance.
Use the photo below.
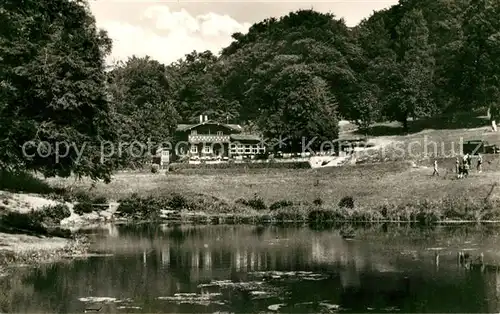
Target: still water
(249, 269)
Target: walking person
(457, 167)
(436, 172)
(479, 163)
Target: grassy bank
(394, 191)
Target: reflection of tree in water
(231, 253)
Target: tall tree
(300, 107)
(53, 88)
(412, 77)
(477, 75)
(198, 81)
(143, 103)
(318, 40)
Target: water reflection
(251, 269)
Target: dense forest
(294, 76)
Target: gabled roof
(186, 127)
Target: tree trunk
(492, 117)
(405, 125)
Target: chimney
(201, 118)
(206, 118)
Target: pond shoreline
(18, 250)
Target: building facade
(212, 140)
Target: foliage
(83, 208)
(53, 71)
(280, 204)
(53, 214)
(291, 77)
(346, 202)
(143, 108)
(155, 168)
(256, 203)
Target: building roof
(246, 137)
(186, 127)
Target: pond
(258, 269)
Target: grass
(372, 192)
(389, 190)
(440, 137)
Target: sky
(166, 30)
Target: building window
(194, 132)
(207, 149)
(194, 149)
(219, 133)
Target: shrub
(318, 202)
(83, 208)
(142, 207)
(81, 196)
(53, 214)
(346, 202)
(247, 165)
(155, 168)
(282, 216)
(280, 204)
(100, 200)
(256, 203)
(178, 202)
(320, 216)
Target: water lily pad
(97, 300)
(330, 306)
(275, 307)
(129, 308)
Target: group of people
(463, 166)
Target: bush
(318, 216)
(256, 203)
(81, 196)
(178, 202)
(53, 214)
(100, 200)
(247, 165)
(83, 208)
(142, 207)
(346, 202)
(155, 168)
(318, 202)
(280, 204)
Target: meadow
(378, 188)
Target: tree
(143, 104)
(412, 77)
(300, 107)
(477, 72)
(198, 81)
(373, 83)
(318, 40)
(52, 88)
